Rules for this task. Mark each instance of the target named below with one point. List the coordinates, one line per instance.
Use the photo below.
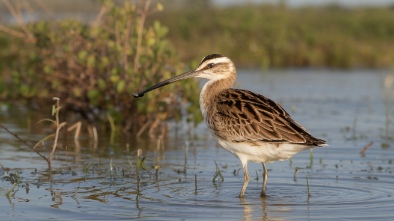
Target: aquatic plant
(307, 186)
(94, 68)
(55, 136)
(217, 174)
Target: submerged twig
(310, 158)
(362, 152)
(295, 174)
(140, 164)
(157, 160)
(55, 112)
(142, 129)
(77, 127)
(195, 183)
(217, 173)
(113, 128)
(93, 133)
(307, 184)
(15, 180)
(24, 142)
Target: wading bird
(249, 125)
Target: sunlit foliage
(94, 68)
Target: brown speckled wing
(244, 116)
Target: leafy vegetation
(94, 68)
(279, 36)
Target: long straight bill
(186, 75)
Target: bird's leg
(265, 175)
(246, 180)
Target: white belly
(262, 152)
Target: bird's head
(212, 67)
(215, 67)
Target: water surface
(349, 109)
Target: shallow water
(348, 109)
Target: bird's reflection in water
(253, 207)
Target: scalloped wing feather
(244, 116)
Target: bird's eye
(210, 65)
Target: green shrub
(94, 69)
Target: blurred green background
(94, 54)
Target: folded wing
(244, 116)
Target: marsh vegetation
(94, 64)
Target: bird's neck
(212, 89)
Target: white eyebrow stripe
(216, 61)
